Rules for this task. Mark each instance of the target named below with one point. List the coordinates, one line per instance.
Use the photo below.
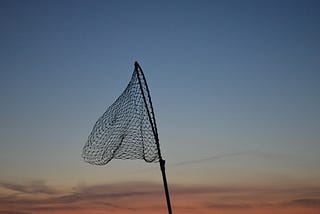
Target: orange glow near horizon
(177, 210)
(144, 197)
(259, 211)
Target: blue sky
(225, 76)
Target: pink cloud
(137, 197)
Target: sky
(236, 91)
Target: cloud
(145, 196)
(120, 189)
(305, 202)
(33, 187)
(229, 206)
(121, 196)
(12, 212)
(214, 157)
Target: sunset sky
(236, 92)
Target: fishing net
(125, 130)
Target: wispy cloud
(230, 206)
(33, 187)
(214, 157)
(305, 202)
(131, 197)
(12, 212)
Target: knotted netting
(125, 130)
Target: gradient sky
(236, 91)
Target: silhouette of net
(124, 131)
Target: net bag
(125, 131)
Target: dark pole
(152, 120)
(165, 184)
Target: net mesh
(124, 131)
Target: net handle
(152, 120)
